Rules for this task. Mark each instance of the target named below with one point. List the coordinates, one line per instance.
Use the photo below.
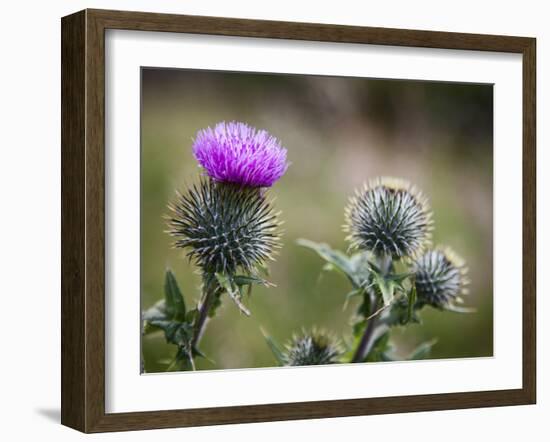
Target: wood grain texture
(145, 21)
(529, 221)
(83, 220)
(73, 253)
(95, 221)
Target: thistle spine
(316, 347)
(389, 216)
(224, 227)
(440, 278)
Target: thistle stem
(207, 300)
(367, 340)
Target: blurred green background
(339, 132)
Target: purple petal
(238, 153)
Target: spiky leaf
(423, 350)
(242, 280)
(169, 315)
(175, 304)
(411, 304)
(228, 285)
(277, 351)
(380, 349)
(355, 268)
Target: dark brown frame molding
(83, 217)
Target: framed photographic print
(267, 220)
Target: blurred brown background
(339, 132)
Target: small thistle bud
(388, 217)
(237, 153)
(314, 348)
(440, 278)
(224, 227)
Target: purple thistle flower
(238, 153)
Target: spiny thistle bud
(390, 217)
(314, 348)
(238, 153)
(440, 277)
(224, 226)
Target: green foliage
(230, 286)
(381, 350)
(175, 304)
(170, 316)
(275, 348)
(388, 290)
(354, 267)
(183, 327)
(422, 351)
(388, 299)
(411, 304)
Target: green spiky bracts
(312, 348)
(224, 227)
(440, 277)
(390, 217)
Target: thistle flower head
(388, 216)
(238, 153)
(440, 277)
(312, 348)
(224, 227)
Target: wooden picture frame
(83, 220)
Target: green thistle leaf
(374, 267)
(274, 347)
(169, 315)
(422, 351)
(335, 257)
(380, 349)
(191, 315)
(196, 352)
(458, 309)
(178, 333)
(242, 280)
(158, 318)
(412, 302)
(182, 361)
(175, 304)
(354, 267)
(227, 284)
(386, 287)
(398, 278)
(155, 318)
